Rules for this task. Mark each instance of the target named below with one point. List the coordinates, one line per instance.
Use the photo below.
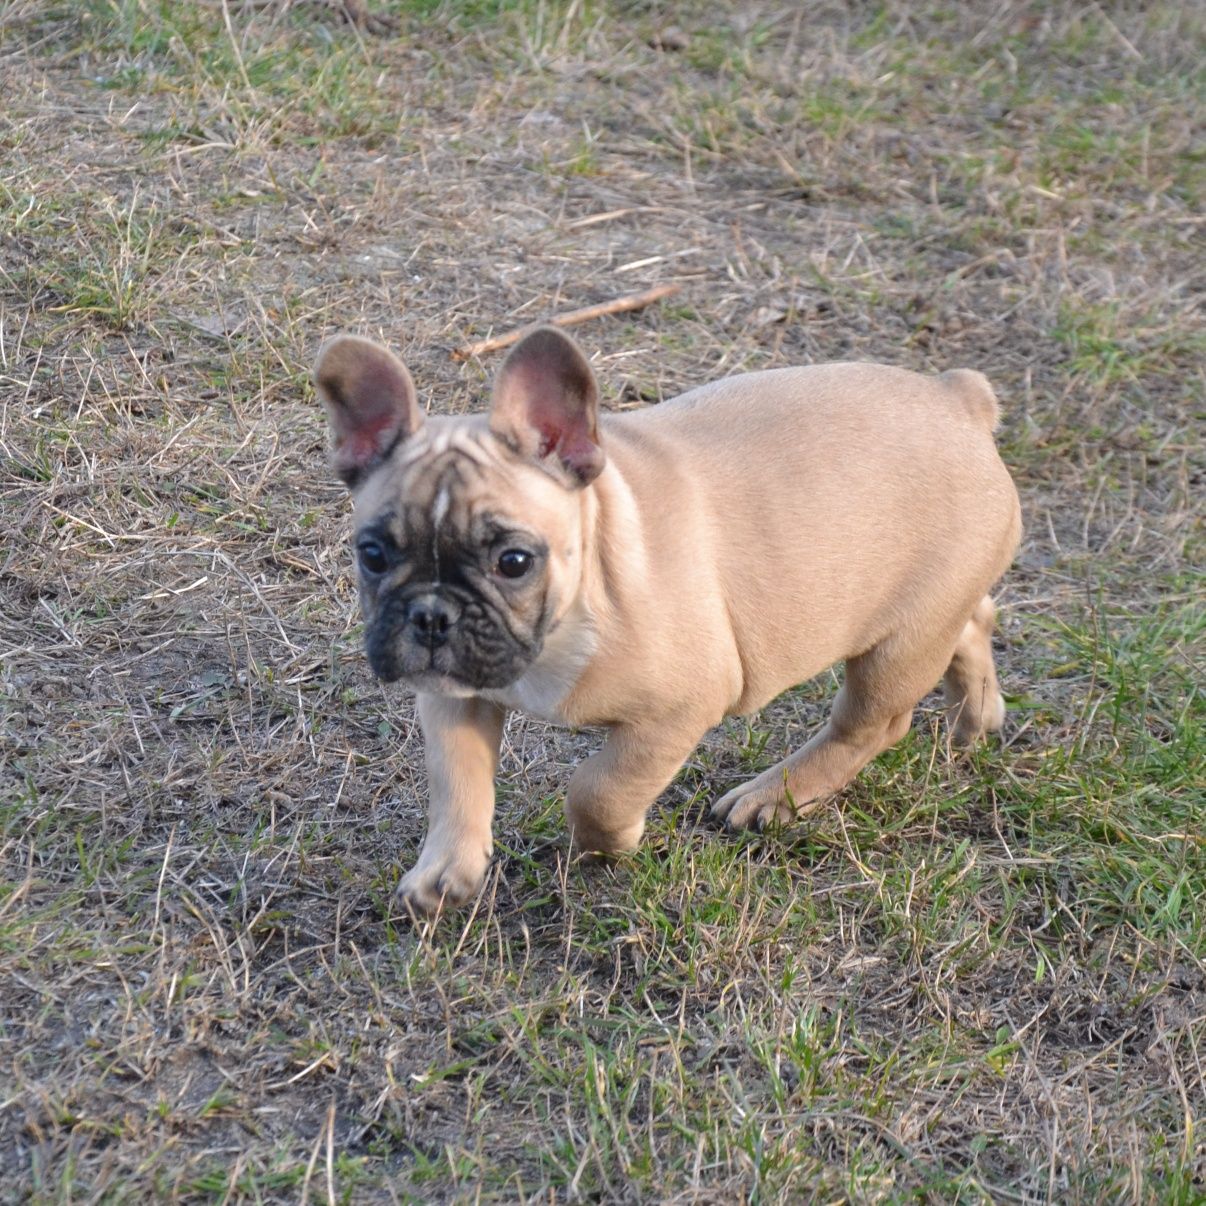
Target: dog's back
(848, 498)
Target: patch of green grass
(249, 1183)
(112, 281)
(721, 50)
(1127, 792)
(1108, 345)
(237, 81)
(1097, 348)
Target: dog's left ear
(546, 404)
(370, 401)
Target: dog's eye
(514, 563)
(372, 557)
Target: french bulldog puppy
(654, 572)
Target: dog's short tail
(976, 394)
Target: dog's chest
(542, 689)
(537, 693)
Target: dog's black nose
(430, 619)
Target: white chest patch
(542, 688)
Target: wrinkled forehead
(454, 475)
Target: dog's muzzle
(447, 633)
(430, 618)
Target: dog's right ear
(370, 402)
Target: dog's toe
(750, 807)
(753, 811)
(757, 805)
(428, 891)
(775, 813)
(722, 809)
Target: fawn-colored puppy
(657, 571)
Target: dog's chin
(431, 680)
(428, 682)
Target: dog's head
(468, 531)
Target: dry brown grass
(975, 981)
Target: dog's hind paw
(754, 805)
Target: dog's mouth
(440, 671)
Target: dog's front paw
(755, 805)
(448, 881)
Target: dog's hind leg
(872, 711)
(974, 705)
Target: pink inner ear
(572, 446)
(580, 454)
(359, 448)
(372, 437)
(557, 423)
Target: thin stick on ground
(619, 305)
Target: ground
(967, 978)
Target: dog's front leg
(461, 740)
(610, 793)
